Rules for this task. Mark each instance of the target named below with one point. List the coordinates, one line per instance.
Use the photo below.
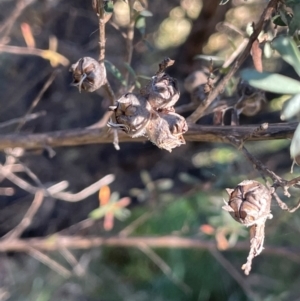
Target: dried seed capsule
(88, 74)
(132, 114)
(162, 92)
(249, 203)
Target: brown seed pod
(166, 130)
(88, 74)
(249, 203)
(132, 114)
(250, 99)
(162, 92)
(135, 116)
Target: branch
(56, 242)
(27, 219)
(237, 64)
(198, 133)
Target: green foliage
(291, 108)
(109, 6)
(271, 82)
(115, 72)
(288, 51)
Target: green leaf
(288, 50)
(295, 145)
(216, 59)
(277, 20)
(122, 214)
(144, 77)
(271, 82)
(138, 84)
(223, 2)
(98, 212)
(140, 24)
(109, 6)
(115, 72)
(295, 22)
(268, 50)
(146, 13)
(130, 70)
(164, 184)
(291, 107)
(148, 44)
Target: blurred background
(179, 194)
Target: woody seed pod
(162, 92)
(249, 203)
(166, 130)
(88, 74)
(132, 114)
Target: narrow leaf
(140, 24)
(291, 108)
(104, 195)
(223, 2)
(130, 70)
(271, 82)
(99, 212)
(288, 50)
(295, 145)
(115, 72)
(146, 13)
(256, 53)
(214, 58)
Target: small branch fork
(257, 233)
(266, 15)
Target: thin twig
(25, 119)
(9, 22)
(129, 38)
(56, 242)
(65, 196)
(136, 223)
(27, 219)
(37, 99)
(102, 41)
(266, 15)
(71, 259)
(233, 273)
(46, 260)
(99, 6)
(83, 194)
(165, 268)
(45, 54)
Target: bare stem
(101, 12)
(195, 133)
(129, 38)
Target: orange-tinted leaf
(104, 195)
(222, 241)
(207, 229)
(256, 53)
(27, 34)
(108, 221)
(124, 202)
(55, 58)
